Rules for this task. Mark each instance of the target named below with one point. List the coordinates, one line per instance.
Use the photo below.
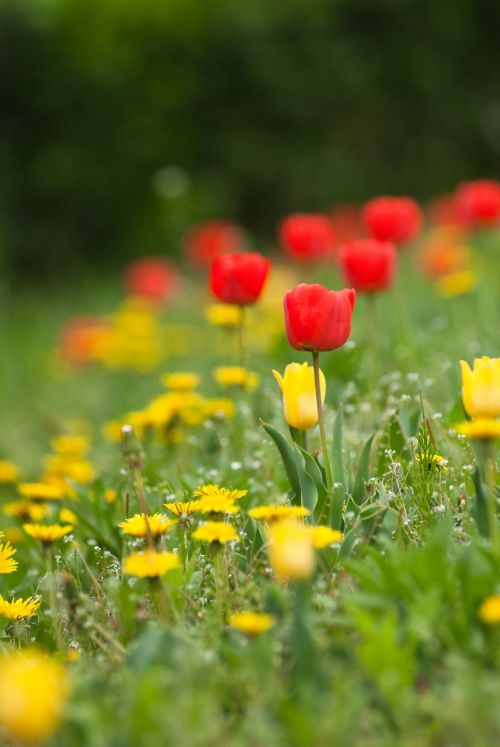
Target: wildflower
(181, 381)
(478, 202)
(19, 609)
(70, 446)
(47, 533)
(41, 491)
(7, 564)
(19, 509)
(489, 611)
(9, 472)
(68, 516)
(110, 495)
(210, 239)
(218, 408)
(215, 491)
(112, 431)
(152, 278)
(236, 376)
(307, 236)
(291, 550)
(140, 525)
(397, 219)
(216, 532)
(217, 504)
(150, 563)
(277, 513)
(368, 265)
(481, 387)
(299, 394)
(182, 508)
(251, 623)
(432, 460)
(239, 278)
(318, 319)
(33, 692)
(456, 283)
(479, 428)
(323, 536)
(224, 315)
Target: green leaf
(290, 457)
(480, 505)
(314, 471)
(337, 457)
(362, 473)
(309, 493)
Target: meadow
(184, 561)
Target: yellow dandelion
(47, 533)
(9, 472)
(112, 431)
(291, 550)
(479, 428)
(182, 508)
(41, 491)
(216, 504)
(18, 609)
(14, 535)
(214, 491)
(33, 691)
(216, 531)
(219, 407)
(432, 460)
(110, 495)
(228, 376)
(150, 564)
(138, 525)
(277, 513)
(181, 381)
(456, 283)
(224, 315)
(252, 623)
(489, 611)
(70, 446)
(17, 509)
(323, 536)
(7, 564)
(67, 516)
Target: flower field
(252, 498)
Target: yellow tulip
(481, 387)
(299, 394)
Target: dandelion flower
(182, 508)
(291, 550)
(150, 564)
(228, 376)
(251, 623)
(216, 531)
(432, 460)
(277, 513)
(489, 611)
(7, 564)
(138, 525)
(47, 533)
(18, 609)
(181, 381)
(9, 472)
(224, 315)
(215, 504)
(41, 491)
(323, 536)
(215, 491)
(219, 407)
(110, 495)
(70, 446)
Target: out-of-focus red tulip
(444, 252)
(478, 202)
(80, 338)
(396, 219)
(239, 278)
(348, 222)
(153, 278)
(317, 318)
(208, 240)
(368, 265)
(443, 211)
(307, 236)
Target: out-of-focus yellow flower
(432, 460)
(14, 535)
(61, 468)
(489, 611)
(41, 491)
(216, 532)
(18, 609)
(291, 550)
(33, 692)
(70, 446)
(47, 533)
(68, 516)
(182, 508)
(214, 504)
(150, 564)
(18, 509)
(7, 564)
(251, 623)
(181, 381)
(481, 387)
(323, 536)
(299, 394)
(138, 525)
(112, 431)
(214, 491)
(9, 472)
(479, 428)
(224, 315)
(229, 376)
(278, 513)
(456, 283)
(218, 407)
(110, 495)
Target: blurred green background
(124, 121)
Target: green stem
(372, 337)
(51, 578)
(241, 338)
(490, 475)
(321, 423)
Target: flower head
(208, 240)
(277, 513)
(210, 490)
(489, 611)
(138, 525)
(182, 508)
(307, 236)
(368, 265)
(217, 504)
(291, 550)
(299, 394)
(7, 564)
(478, 202)
(456, 283)
(317, 318)
(150, 564)
(397, 219)
(41, 491)
(251, 623)
(216, 532)
(47, 533)
(181, 381)
(18, 609)
(70, 446)
(9, 472)
(153, 278)
(479, 428)
(239, 278)
(322, 536)
(481, 387)
(228, 376)
(224, 315)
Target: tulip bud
(239, 278)
(291, 550)
(478, 202)
(368, 265)
(397, 219)
(307, 236)
(481, 387)
(299, 395)
(153, 278)
(317, 318)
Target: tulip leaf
(314, 471)
(362, 473)
(480, 505)
(290, 457)
(337, 456)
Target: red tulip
(368, 265)
(208, 240)
(307, 236)
(239, 278)
(346, 218)
(478, 202)
(80, 337)
(317, 318)
(153, 278)
(396, 219)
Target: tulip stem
(321, 423)
(490, 474)
(241, 338)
